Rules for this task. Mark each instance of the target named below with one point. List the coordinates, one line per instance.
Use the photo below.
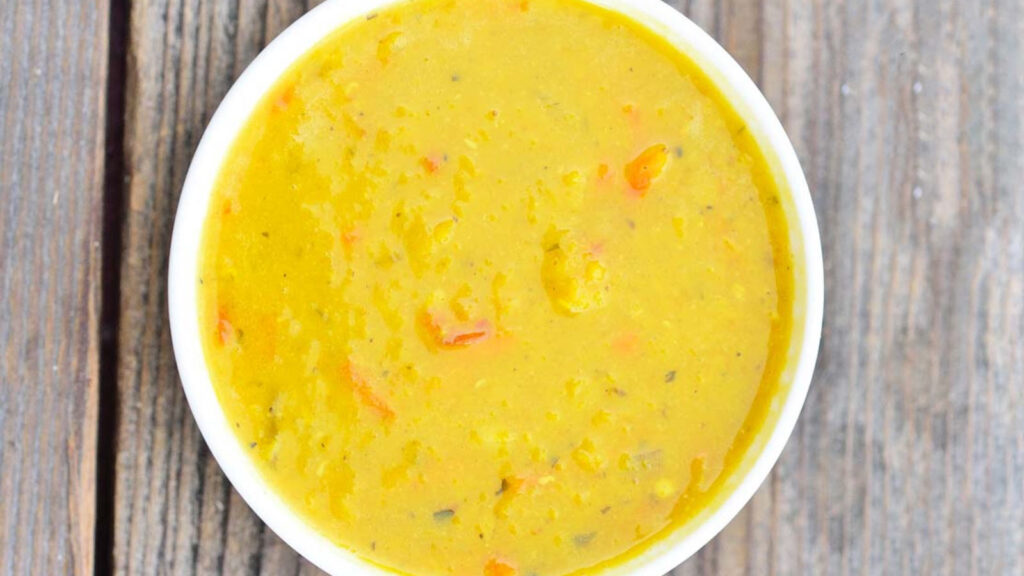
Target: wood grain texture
(53, 58)
(909, 457)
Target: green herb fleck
(444, 515)
(582, 540)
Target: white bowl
(731, 80)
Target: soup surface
(495, 287)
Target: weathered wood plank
(909, 457)
(53, 71)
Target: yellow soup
(495, 287)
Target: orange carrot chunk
(646, 167)
(225, 330)
(626, 343)
(230, 206)
(466, 337)
(366, 395)
(456, 336)
(285, 99)
(519, 484)
(350, 236)
(430, 164)
(497, 567)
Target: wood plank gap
(110, 297)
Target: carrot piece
(285, 99)
(646, 167)
(626, 344)
(230, 207)
(520, 484)
(458, 336)
(350, 237)
(602, 171)
(366, 394)
(497, 567)
(225, 330)
(467, 337)
(513, 485)
(430, 164)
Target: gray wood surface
(53, 65)
(909, 456)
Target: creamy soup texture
(495, 287)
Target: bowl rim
(232, 114)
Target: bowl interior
(735, 85)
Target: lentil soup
(495, 287)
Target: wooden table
(907, 115)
